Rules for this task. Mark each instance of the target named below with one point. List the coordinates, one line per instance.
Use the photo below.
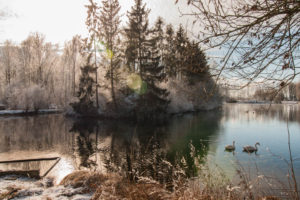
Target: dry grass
(88, 180)
(208, 186)
(133, 191)
(113, 186)
(10, 193)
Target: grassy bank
(210, 184)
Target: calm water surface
(147, 150)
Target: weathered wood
(28, 160)
(2, 107)
(28, 173)
(45, 174)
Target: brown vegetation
(10, 193)
(85, 179)
(209, 185)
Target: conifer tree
(86, 92)
(158, 32)
(169, 59)
(154, 101)
(184, 59)
(93, 25)
(196, 67)
(144, 56)
(136, 34)
(180, 45)
(109, 33)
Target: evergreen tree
(154, 101)
(93, 25)
(143, 55)
(109, 33)
(184, 59)
(86, 92)
(158, 32)
(196, 67)
(169, 59)
(136, 33)
(180, 53)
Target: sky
(60, 20)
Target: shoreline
(29, 112)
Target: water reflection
(262, 112)
(151, 150)
(85, 144)
(145, 150)
(36, 137)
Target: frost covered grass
(12, 187)
(209, 184)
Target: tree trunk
(97, 99)
(112, 85)
(73, 78)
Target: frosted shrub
(192, 97)
(180, 101)
(10, 96)
(31, 98)
(38, 95)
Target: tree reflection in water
(86, 146)
(162, 152)
(263, 112)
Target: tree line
(114, 67)
(36, 74)
(148, 55)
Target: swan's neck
(256, 146)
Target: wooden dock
(29, 173)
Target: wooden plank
(45, 174)
(28, 160)
(28, 173)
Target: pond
(154, 150)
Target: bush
(31, 98)
(185, 97)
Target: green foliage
(143, 54)
(183, 58)
(136, 34)
(195, 68)
(155, 100)
(169, 55)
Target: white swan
(250, 149)
(230, 147)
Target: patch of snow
(38, 189)
(18, 112)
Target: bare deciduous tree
(72, 59)
(38, 57)
(8, 61)
(259, 39)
